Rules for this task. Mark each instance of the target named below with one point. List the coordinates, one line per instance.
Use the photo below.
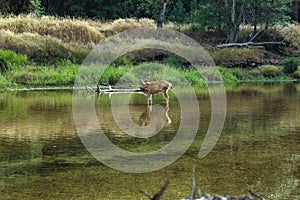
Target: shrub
(3, 81)
(270, 71)
(238, 73)
(290, 65)
(253, 74)
(233, 57)
(41, 75)
(10, 60)
(296, 74)
(121, 61)
(176, 61)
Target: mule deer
(150, 88)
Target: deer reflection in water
(148, 116)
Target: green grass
(3, 81)
(43, 76)
(66, 73)
(10, 60)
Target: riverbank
(63, 77)
(46, 52)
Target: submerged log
(111, 90)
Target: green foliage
(175, 61)
(3, 81)
(154, 71)
(296, 74)
(36, 7)
(121, 61)
(42, 76)
(290, 65)
(238, 73)
(112, 75)
(270, 71)
(10, 60)
(178, 14)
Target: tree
(161, 18)
(255, 12)
(178, 14)
(296, 11)
(235, 12)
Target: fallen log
(250, 196)
(111, 90)
(249, 44)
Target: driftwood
(250, 44)
(111, 90)
(159, 194)
(251, 196)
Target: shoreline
(226, 85)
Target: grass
(65, 29)
(129, 75)
(10, 60)
(232, 57)
(44, 76)
(291, 34)
(42, 49)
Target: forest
(218, 15)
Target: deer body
(150, 88)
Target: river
(42, 156)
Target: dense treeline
(178, 10)
(220, 15)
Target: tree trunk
(219, 25)
(296, 10)
(268, 15)
(161, 19)
(234, 20)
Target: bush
(253, 74)
(238, 73)
(10, 60)
(270, 71)
(290, 65)
(121, 61)
(296, 74)
(41, 75)
(3, 81)
(176, 61)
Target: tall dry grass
(65, 29)
(50, 36)
(40, 47)
(291, 34)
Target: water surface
(42, 156)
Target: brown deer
(150, 88)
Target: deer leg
(149, 99)
(166, 96)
